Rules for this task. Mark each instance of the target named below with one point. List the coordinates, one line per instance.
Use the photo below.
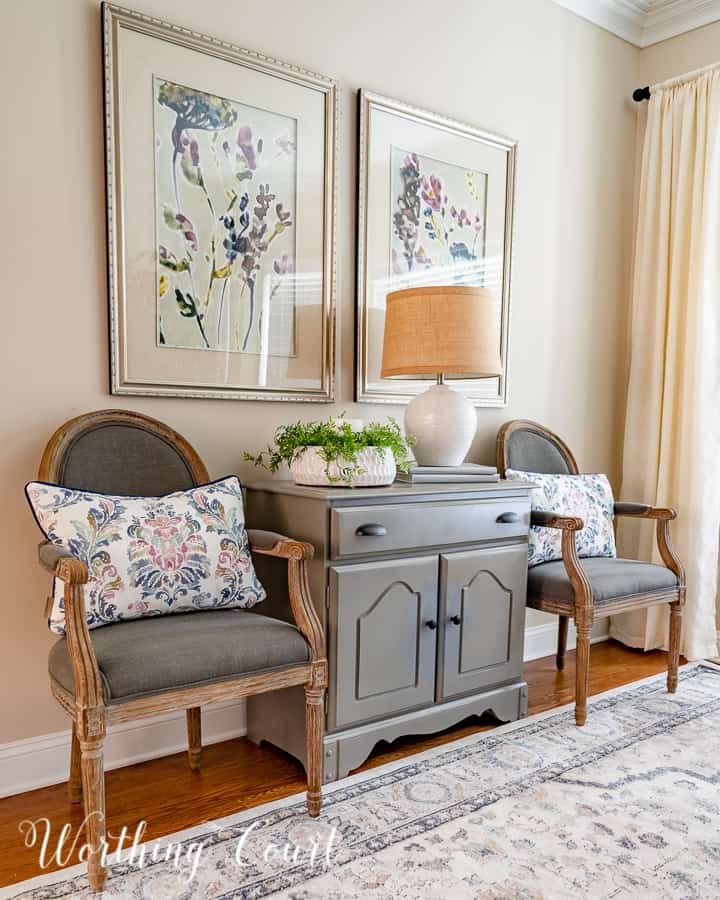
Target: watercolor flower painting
(226, 186)
(438, 216)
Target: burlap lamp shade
(441, 330)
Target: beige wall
(526, 68)
(681, 54)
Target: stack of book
(467, 472)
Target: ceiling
(645, 22)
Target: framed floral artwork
(221, 194)
(436, 201)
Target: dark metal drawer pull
(507, 518)
(431, 624)
(372, 529)
(456, 620)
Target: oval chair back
(529, 447)
(116, 451)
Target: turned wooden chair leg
(194, 730)
(674, 646)
(582, 672)
(562, 643)
(314, 747)
(74, 786)
(93, 783)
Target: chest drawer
(361, 530)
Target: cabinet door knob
(372, 529)
(456, 620)
(507, 518)
(431, 624)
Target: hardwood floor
(236, 775)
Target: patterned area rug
(626, 807)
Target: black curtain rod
(640, 94)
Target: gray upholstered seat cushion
(610, 578)
(147, 656)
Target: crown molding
(645, 22)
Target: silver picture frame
(117, 22)
(369, 388)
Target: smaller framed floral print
(220, 185)
(435, 207)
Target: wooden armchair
(130, 670)
(596, 587)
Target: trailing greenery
(337, 442)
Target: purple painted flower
(283, 217)
(461, 217)
(168, 259)
(194, 152)
(432, 192)
(188, 230)
(245, 143)
(264, 200)
(285, 145)
(406, 218)
(411, 166)
(177, 136)
(283, 266)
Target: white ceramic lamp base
(443, 423)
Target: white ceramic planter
(377, 465)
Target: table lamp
(448, 332)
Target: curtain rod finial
(640, 94)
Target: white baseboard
(541, 640)
(39, 761)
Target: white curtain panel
(672, 431)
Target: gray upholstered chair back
(121, 452)
(530, 447)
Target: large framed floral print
(435, 207)
(220, 186)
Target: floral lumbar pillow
(588, 496)
(148, 556)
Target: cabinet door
(383, 628)
(482, 618)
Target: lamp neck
(440, 378)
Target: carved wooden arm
(578, 579)
(74, 574)
(297, 553)
(663, 516)
(552, 520)
(643, 510)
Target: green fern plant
(336, 442)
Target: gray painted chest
(421, 590)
